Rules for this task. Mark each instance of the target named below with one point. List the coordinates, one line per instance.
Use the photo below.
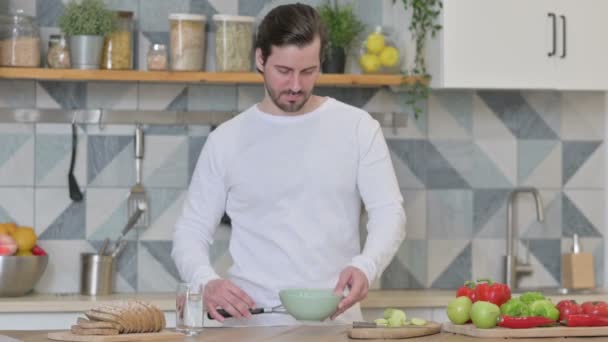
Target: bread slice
(90, 324)
(77, 330)
(106, 317)
(156, 322)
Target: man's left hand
(358, 284)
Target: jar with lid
(187, 39)
(118, 45)
(19, 41)
(233, 42)
(157, 57)
(58, 54)
(380, 53)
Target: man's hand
(358, 284)
(223, 293)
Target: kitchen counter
(376, 299)
(297, 334)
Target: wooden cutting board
(556, 331)
(387, 333)
(158, 336)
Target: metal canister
(96, 274)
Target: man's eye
(283, 71)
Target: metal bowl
(19, 274)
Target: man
(291, 172)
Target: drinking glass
(189, 309)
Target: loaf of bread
(121, 317)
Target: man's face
(290, 73)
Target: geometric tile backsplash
(456, 164)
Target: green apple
(485, 314)
(459, 310)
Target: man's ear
(259, 61)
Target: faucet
(513, 266)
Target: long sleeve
(201, 215)
(383, 201)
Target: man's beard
(289, 107)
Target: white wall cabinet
(521, 44)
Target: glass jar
(58, 55)
(379, 53)
(19, 41)
(187, 39)
(157, 57)
(118, 45)
(233, 42)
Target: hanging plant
(423, 23)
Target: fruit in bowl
(18, 241)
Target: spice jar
(187, 36)
(19, 41)
(157, 57)
(58, 55)
(118, 45)
(233, 42)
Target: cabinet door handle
(564, 34)
(554, 22)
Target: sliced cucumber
(418, 321)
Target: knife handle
(225, 313)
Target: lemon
(24, 253)
(369, 63)
(25, 237)
(389, 57)
(375, 43)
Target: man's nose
(295, 84)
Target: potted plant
(86, 23)
(342, 26)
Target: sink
(554, 291)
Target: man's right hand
(223, 293)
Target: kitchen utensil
(364, 330)
(302, 304)
(254, 311)
(499, 332)
(75, 193)
(164, 335)
(96, 274)
(138, 192)
(139, 210)
(19, 274)
(119, 248)
(309, 304)
(104, 246)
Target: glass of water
(189, 309)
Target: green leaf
(87, 17)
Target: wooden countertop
(166, 301)
(297, 334)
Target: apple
(485, 315)
(459, 310)
(8, 245)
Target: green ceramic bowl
(309, 304)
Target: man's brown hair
(294, 24)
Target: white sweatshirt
(292, 186)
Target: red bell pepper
(567, 308)
(468, 290)
(492, 292)
(523, 322)
(585, 320)
(595, 308)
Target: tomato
(567, 308)
(595, 308)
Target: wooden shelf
(193, 77)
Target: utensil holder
(96, 274)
